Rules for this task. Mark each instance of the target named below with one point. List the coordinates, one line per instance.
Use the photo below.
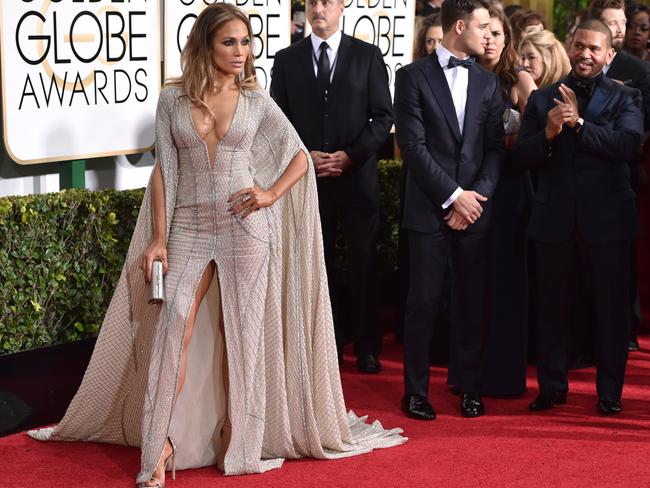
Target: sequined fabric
(285, 398)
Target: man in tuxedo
(635, 73)
(334, 90)
(448, 120)
(580, 135)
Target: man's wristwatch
(579, 124)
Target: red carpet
(570, 446)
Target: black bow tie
(463, 63)
(586, 87)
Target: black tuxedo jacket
(635, 73)
(438, 158)
(359, 110)
(583, 178)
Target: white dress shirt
(457, 79)
(333, 44)
(606, 67)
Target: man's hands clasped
(329, 165)
(466, 210)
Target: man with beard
(633, 72)
(448, 122)
(580, 136)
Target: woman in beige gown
(232, 211)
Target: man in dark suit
(580, 135)
(448, 120)
(632, 72)
(334, 90)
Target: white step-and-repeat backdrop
(80, 79)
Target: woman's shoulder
(524, 82)
(258, 94)
(171, 92)
(258, 98)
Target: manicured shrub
(61, 255)
(60, 258)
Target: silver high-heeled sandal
(170, 459)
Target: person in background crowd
(582, 14)
(544, 57)
(580, 135)
(428, 36)
(450, 131)
(511, 9)
(531, 22)
(504, 370)
(334, 90)
(514, 24)
(526, 22)
(297, 22)
(638, 32)
(636, 44)
(631, 71)
(431, 7)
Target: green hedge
(61, 255)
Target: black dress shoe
(607, 406)
(547, 400)
(368, 364)
(471, 405)
(418, 407)
(634, 344)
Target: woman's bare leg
(201, 290)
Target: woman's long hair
(556, 61)
(419, 47)
(506, 68)
(196, 59)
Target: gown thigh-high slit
(284, 392)
(203, 230)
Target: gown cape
(290, 384)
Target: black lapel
(307, 63)
(342, 61)
(615, 67)
(600, 98)
(474, 89)
(438, 83)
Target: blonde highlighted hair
(554, 57)
(196, 59)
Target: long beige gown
(285, 398)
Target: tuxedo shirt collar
(443, 55)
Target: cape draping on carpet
(570, 446)
(289, 402)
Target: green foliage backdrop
(61, 255)
(564, 15)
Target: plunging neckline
(213, 163)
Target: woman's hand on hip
(156, 251)
(249, 200)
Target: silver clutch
(157, 286)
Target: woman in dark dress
(504, 371)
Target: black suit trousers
(354, 295)
(559, 268)
(429, 256)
